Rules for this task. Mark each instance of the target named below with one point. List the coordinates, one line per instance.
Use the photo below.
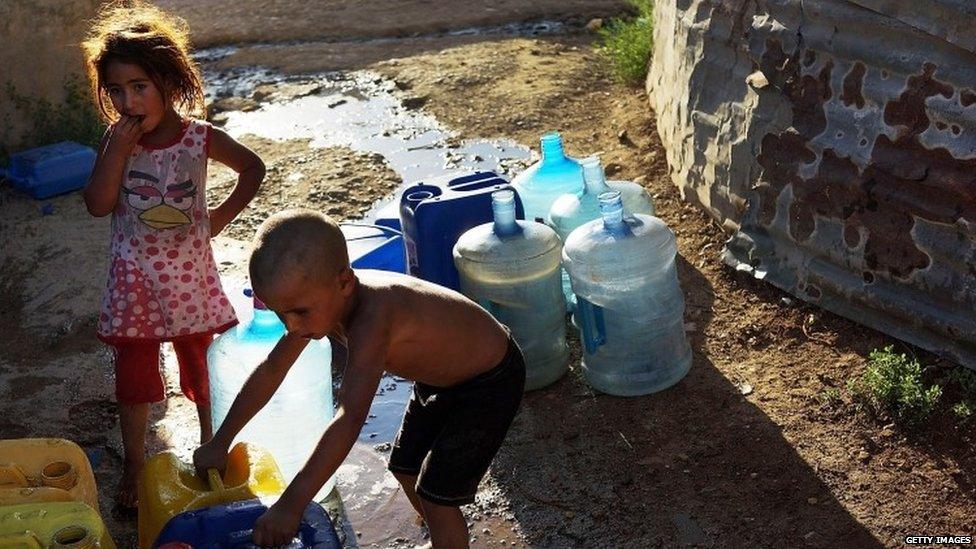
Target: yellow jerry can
(54, 525)
(52, 463)
(169, 487)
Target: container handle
(216, 483)
(591, 322)
(12, 475)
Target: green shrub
(627, 43)
(893, 384)
(75, 119)
(830, 397)
(966, 379)
(963, 410)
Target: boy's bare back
(429, 333)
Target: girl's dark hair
(141, 34)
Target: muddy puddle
(367, 113)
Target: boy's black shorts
(450, 435)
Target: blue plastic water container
(629, 302)
(436, 212)
(388, 215)
(229, 526)
(51, 170)
(551, 177)
(374, 246)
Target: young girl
(151, 176)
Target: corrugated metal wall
(836, 141)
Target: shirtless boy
(468, 373)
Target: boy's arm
(250, 169)
(257, 390)
(359, 382)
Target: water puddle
(364, 112)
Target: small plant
(963, 410)
(829, 397)
(966, 379)
(75, 119)
(893, 384)
(627, 43)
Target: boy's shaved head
(301, 241)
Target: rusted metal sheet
(836, 141)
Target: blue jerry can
(374, 246)
(229, 526)
(436, 212)
(51, 170)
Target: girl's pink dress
(162, 280)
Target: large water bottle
(630, 306)
(551, 177)
(291, 423)
(511, 268)
(569, 211)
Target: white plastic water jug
(630, 307)
(511, 268)
(292, 422)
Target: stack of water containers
(569, 211)
(620, 266)
(292, 422)
(48, 496)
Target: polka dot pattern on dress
(163, 280)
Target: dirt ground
(743, 452)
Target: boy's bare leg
(446, 524)
(206, 422)
(133, 419)
(408, 482)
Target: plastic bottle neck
(612, 210)
(593, 176)
(503, 208)
(552, 148)
(265, 321)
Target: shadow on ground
(696, 464)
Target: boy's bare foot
(128, 494)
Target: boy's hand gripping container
(291, 424)
(169, 487)
(230, 526)
(51, 170)
(512, 269)
(630, 307)
(436, 212)
(53, 525)
(36, 470)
